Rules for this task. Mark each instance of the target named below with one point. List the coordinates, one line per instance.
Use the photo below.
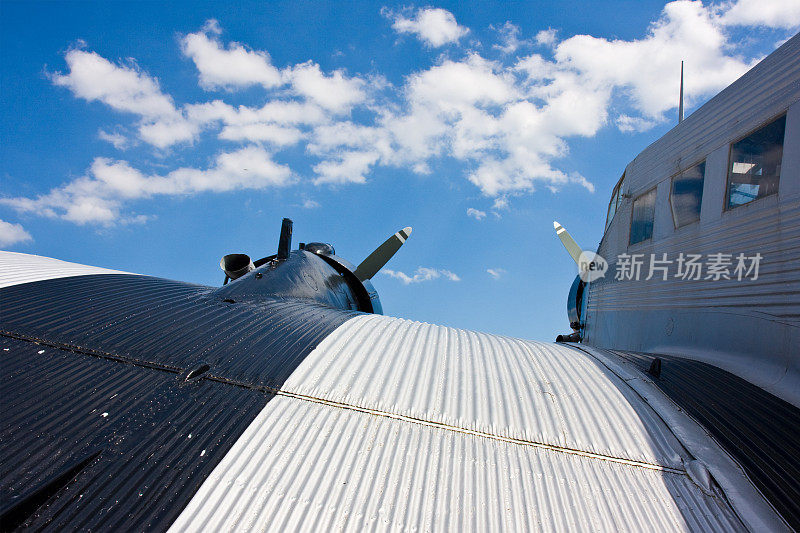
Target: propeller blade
(569, 243)
(375, 261)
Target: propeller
(375, 261)
(569, 243)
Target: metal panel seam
(744, 498)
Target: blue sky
(156, 138)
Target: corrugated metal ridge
(17, 268)
(308, 466)
(740, 491)
(521, 390)
(396, 416)
(483, 434)
(254, 342)
(443, 423)
(758, 429)
(158, 437)
(134, 338)
(774, 292)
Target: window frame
(726, 207)
(616, 199)
(671, 180)
(654, 190)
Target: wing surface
(133, 402)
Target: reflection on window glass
(644, 210)
(687, 195)
(616, 196)
(755, 164)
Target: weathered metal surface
(17, 268)
(169, 323)
(750, 326)
(150, 437)
(760, 431)
(393, 424)
(148, 380)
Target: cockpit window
(616, 196)
(755, 164)
(686, 195)
(644, 210)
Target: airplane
(697, 271)
(284, 399)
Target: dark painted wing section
(174, 325)
(149, 439)
(102, 429)
(761, 431)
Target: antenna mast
(680, 103)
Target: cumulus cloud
(119, 141)
(422, 274)
(501, 202)
(627, 123)
(350, 167)
(11, 234)
(234, 66)
(433, 26)
(770, 13)
(546, 37)
(477, 214)
(126, 89)
(509, 39)
(98, 197)
(335, 92)
(496, 273)
(121, 87)
(314, 96)
(506, 123)
(310, 204)
(230, 66)
(647, 70)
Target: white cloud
(98, 197)
(125, 88)
(477, 214)
(277, 111)
(647, 70)
(546, 37)
(119, 141)
(228, 67)
(504, 123)
(350, 167)
(121, 87)
(501, 202)
(167, 131)
(450, 276)
(335, 92)
(422, 274)
(310, 204)
(11, 234)
(433, 26)
(458, 85)
(496, 273)
(771, 13)
(627, 123)
(509, 39)
(262, 131)
(235, 66)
